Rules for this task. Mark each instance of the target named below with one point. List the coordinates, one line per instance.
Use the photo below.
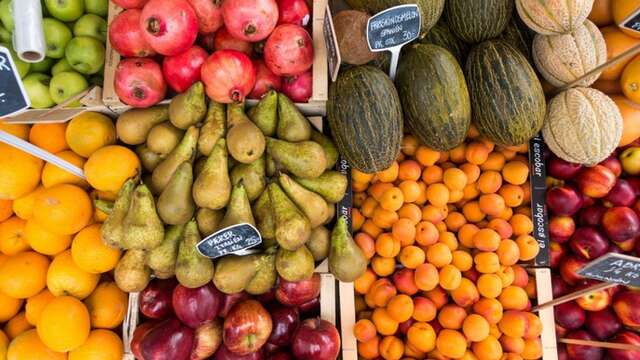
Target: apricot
(489, 285)
(412, 212)
(466, 233)
(387, 246)
(426, 233)
(475, 327)
(512, 344)
(389, 174)
(472, 171)
(439, 255)
(472, 212)
(508, 252)
(520, 276)
(426, 156)
(450, 277)
(514, 298)
(422, 336)
(486, 240)
(490, 309)
(432, 174)
(412, 257)
(438, 296)
(534, 326)
(470, 191)
(391, 348)
(426, 277)
(492, 204)
(409, 170)
(377, 189)
(476, 153)
(506, 275)
(357, 175)
(392, 199)
(385, 324)
(404, 231)
(487, 262)
(502, 227)
(383, 266)
(515, 172)
(532, 349)
(531, 288)
(455, 221)
(364, 330)
(366, 243)
(521, 224)
(384, 218)
(400, 308)
(364, 282)
(454, 179)
(371, 229)
(462, 260)
(489, 182)
(513, 195)
(451, 343)
(457, 154)
(404, 281)
(452, 316)
(423, 309)
(487, 349)
(380, 293)
(432, 214)
(466, 294)
(438, 194)
(513, 323)
(529, 247)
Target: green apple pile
(75, 34)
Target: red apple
(564, 200)
(613, 164)
(595, 301)
(559, 286)
(560, 331)
(561, 228)
(556, 253)
(596, 182)
(183, 70)
(225, 354)
(589, 243)
(126, 37)
(626, 246)
(635, 184)
(168, 340)
(285, 321)
(569, 268)
(139, 82)
(297, 293)
(582, 352)
(282, 355)
(209, 13)
(622, 194)
(603, 324)
(626, 306)
(138, 334)
(267, 297)
(587, 201)
(625, 337)
(621, 223)
(316, 339)
(230, 300)
(155, 299)
(247, 327)
(196, 306)
(561, 169)
(569, 315)
(208, 338)
(562, 352)
(311, 307)
(592, 215)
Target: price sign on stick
(331, 41)
(393, 28)
(632, 22)
(13, 97)
(236, 239)
(538, 188)
(614, 268)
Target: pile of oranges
(444, 233)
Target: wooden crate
(319, 96)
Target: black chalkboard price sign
(632, 22)
(614, 268)
(538, 174)
(236, 239)
(13, 97)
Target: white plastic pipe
(28, 35)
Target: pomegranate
(183, 70)
(298, 88)
(293, 12)
(126, 37)
(130, 4)
(225, 41)
(289, 50)
(250, 20)
(265, 80)
(229, 76)
(169, 26)
(206, 41)
(209, 13)
(139, 82)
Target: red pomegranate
(298, 88)
(126, 37)
(289, 50)
(229, 76)
(206, 41)
(169, 26)
(130, 4)
(209, 13)
(225, 41)
(139, 82)
(293, 12)
(250, 20)
(183, 70)
(265, 80)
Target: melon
(478, 20)
(552, 17)
(583, 126)
(351, 32)
(442, 35)
(520, 36)
(562, 59)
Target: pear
(213, 129)
(192, 269)
(208, 220)
(312, 205)
(304, 159)
(346, 260)
(163, 138)
(143, 229)
(270, 166)
(188, 108)
(265, 114)
(162, 259)
(103, 205)
(295, 265)
(331, 213)
(330, 150)
(175, 204)
(198, 166)
(183, 152)
(112, 229)
(292, 228)
(292, 125)
(233, 273)
(319, 243)
(245, 141)
(266, 274)
(148, 158)
(134, 125)
(212, 187)
(239, 208)
(252, 176)
(264, 215)
(331, 185)
(131, 273)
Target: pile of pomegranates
(191, 324)
(238, 48)
(594, 211)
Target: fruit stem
(153, 26)
(250, 29)
(236, 95)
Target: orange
(422, 336)
(35, 305)
(100, 345)
(426, 156)
(364, 330)
(400, 308)
(630, 119)
(63, 209)
(6, 209)
(12, 236)
(29, 346)
(391, 348)
(64, 277)
(64, 324)
(18, 130)
(17, 325)
(24, 274)
(89, 132)
(9, 307)
(107, 306)
(451, 343)
(621, 10)
(515, 172)
(389, 174)
(53, 175)
(44, 241)
(49, 137)
(91, 254)
(475, 327)
(385, 324)
(108, 168)
(617, 43)
(19, 172)
(23, 206)
(392, 199)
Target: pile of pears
(208, 166)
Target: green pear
(319, 243)
(175, 204)
(331, 213)
(198, 166)
(245, 141)
(192, 269)
(112, 229)
(331, 185)
(266, 274)
(185, 151)
(265, 113)
(143, 229)
(213, 129)
(304, 159)
(208, 220)
(346, 260)
(270, 166)
(239, 208)
(234, 272)
(132, 274)
(163, 258)
(292, 228)
(212, 187)
(264, 215)
(149, 159)
(292, 125)
(134, 125)
(188, 108)
(295, 265)
(330, 149)
(252, 176)
(312, 205)
(163, 138)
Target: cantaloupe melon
(552, 17)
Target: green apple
(43, 66)
(22, 66)
(96, 7)
(630, 159)
(5, 35)
(61, 66)
(6, 15)
(85, 54)
(91, 25)
(65, 85)
(65, 10)
(56, 35)
(37, 87)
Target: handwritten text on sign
(393, 27)
(234, 239)
(538, 189)
(13, 97)
(614, 268)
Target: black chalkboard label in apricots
(236, 239)
(537, 179)
(614, 268)
(632, 22)
(13, 97)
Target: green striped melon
(553, 17)
(519, 35)
(430, 10)
(478, 20)
(442, 35)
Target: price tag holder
(632, 22)
(614, 268)
(345, 205)
(13, 97)
(393, 28)
(236, 240)
(331, 41)
(538, 172)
